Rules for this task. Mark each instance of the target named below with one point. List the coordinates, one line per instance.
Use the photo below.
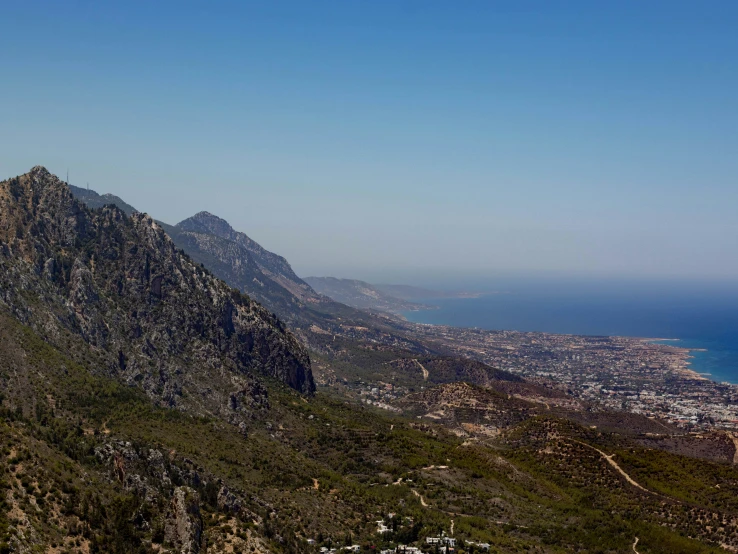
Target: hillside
(231, 256)
(91, 465)
(272, 265)
(362, 295)
(391, 429)
(236, 266)
(95, 200)
(118, 283)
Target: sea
(700, 316)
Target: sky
(393, 140)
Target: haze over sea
(701, 316)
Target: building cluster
(645, 376)
(381, 395)
(326, 550)
(439, 545)
(442, 544)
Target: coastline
(687, 370)
(709, 352)
(652, 377)
(690, 368)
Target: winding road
(422, 500)
(735, 444)
(614, 464)
(425, 371)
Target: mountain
(95, 200)
(209, 240)
(362, 295)
(154, 317)
(272, 265)
(236, 266)
(411, 293)
(268, 278)
(88, 464)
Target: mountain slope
(119, 283)
(362, 295)
(234, 264)
(245, 265)
(273, 265)
(90, 465)
(95, 200)
(228, 260)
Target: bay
(702, 318)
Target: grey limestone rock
(184, 526)
(158, 319)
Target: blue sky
(393, 139)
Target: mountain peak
(99, 264)
(205, 222)
(206, 215)
(94, 200)
(40, 182)
(39, 170)
(39, 175)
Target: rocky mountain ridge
(362, 295)
(94, 200)
(271, 264)
(245, 265)
(158, 319)
(237, 267)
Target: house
(382, 528)
(443, 539)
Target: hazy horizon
(413, 143)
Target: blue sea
(701, 316)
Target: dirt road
(422, 500)
(614, 464)
(425, 371)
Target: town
(645, 376)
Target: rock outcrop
(184, 523)
(271, 264)
(156, 318)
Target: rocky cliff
(273, 265)
(234, 264)
(156, 318)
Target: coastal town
(645, 376)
